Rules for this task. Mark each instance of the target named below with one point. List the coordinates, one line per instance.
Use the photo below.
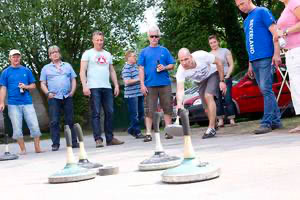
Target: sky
(150, 19)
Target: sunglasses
(154, 36)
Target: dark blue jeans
(55, 107)
(263, 71)
(136, 114)
(102, 98)
(225, 104)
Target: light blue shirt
(58, 80)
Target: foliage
(188, 23)
(33, 25)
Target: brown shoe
(114, 141)
(99, 144)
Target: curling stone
(174, 129)
(7, 155)
(191, 169)
(71, 172)
(85, 163)
(160, 160)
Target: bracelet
(285, 32)
(47, 94)
(222, 81)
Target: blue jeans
(55, 107)
(263, 71)
(225, 101)
(102, 98)
(16, 113)
(136, 114)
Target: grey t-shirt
(222, 55)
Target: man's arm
(131, 81)
(142, 78)
(2, 97)
(73, 86)
(276, 60)
(82, 73)
(230, 63)
(45, 90)
(160, 67)
(220, 69)
(113, 76)
(179, 95)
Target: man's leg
(108, 107)
(16, 117)
(166, 103)
(95, 102)
(150, 107)
(211, 110)
(132, 103)
(69, 119)
(264, 76)
(33, 125)
(54, 106)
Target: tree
(33, 25)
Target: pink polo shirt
(288, 19)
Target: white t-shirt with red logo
(98, 68)
(204, 68)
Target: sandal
(295, 130)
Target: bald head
(183, 52)
(185, 58)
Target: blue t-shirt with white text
(148, 58)
(10, 78)
(259, 40)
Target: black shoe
(276, 126)
(55, 147)
(262, 130)
(76, 145)
(148, 138)
(167, 136)
(139, 136)
(211, 133)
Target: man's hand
(2, 106)
(86, 91)
(250, 72)
(160, 68)
(144, 90)
(276, 60)
(223, 87)
(116, 91)
(51, 95)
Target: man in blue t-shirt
(259, 27)
(16, 81)
(154, 63)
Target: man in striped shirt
(133, 94)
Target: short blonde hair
(128, 53)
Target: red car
(246, 97)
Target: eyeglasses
(154, 36)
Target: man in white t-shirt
(95, 70)
(207, 71)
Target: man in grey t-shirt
(206, 70)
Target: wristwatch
(285, 32)
(222, 81)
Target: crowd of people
(147, 80)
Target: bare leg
(148, 123)
(37, 145)
(168, 119)
(211, 110)
(22, 146)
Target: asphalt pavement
(253, 167)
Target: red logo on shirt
(101, 60)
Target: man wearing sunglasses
(154, 63)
